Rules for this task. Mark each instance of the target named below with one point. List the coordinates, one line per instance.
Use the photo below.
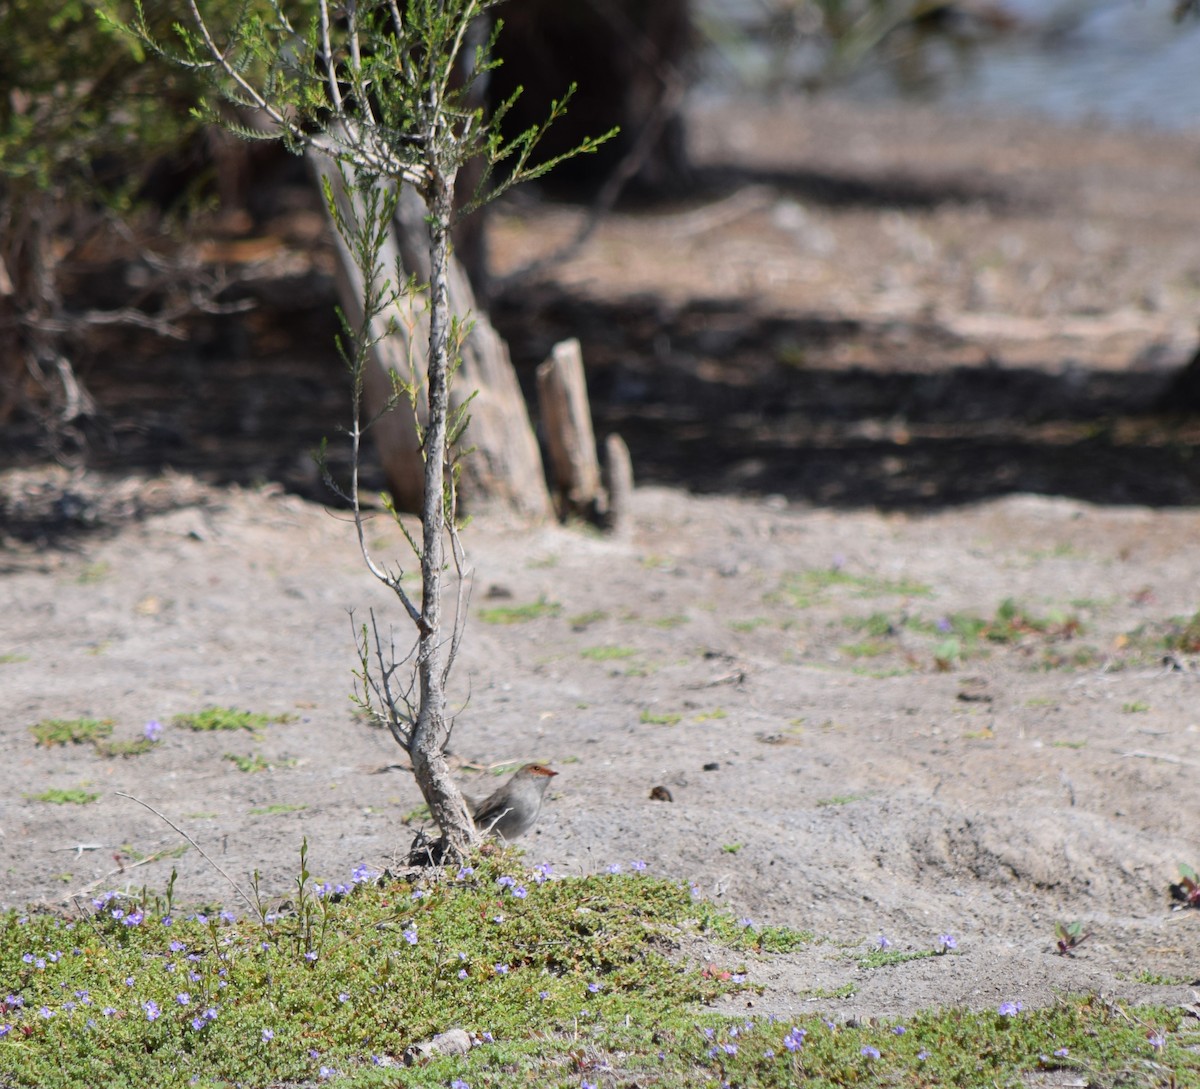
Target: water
(1125, 62)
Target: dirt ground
(910, 362)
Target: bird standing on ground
(513, 809)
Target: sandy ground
(822, 776)
(875, 338)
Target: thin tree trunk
(431, 732)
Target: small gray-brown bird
(513, 809)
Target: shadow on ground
(712, 397)
(848, 413)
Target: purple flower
(615, 868)
(227, 917)
(593, 987)
(166, 920)
(197, 1023)
(129, 981)
(410, 935)
(898, 1030)
(183, 998)
(362, 872)
(520, 892)
(28, 958)
(108, 1011)
(948, 941)
(501, 969)
(177, 947)
(541, 872)
(343, 997)
(268, 1035)
(922, 1055)
(45, 1013)
(152, 731)
(210, 1014)
(729, 1049)
(883, 942)
(638, 865)
(464, 872)
(152, 1010)
(310, 956)
(1062, 1052)
(14, 1001)
(5, 1030)
(1158, 1040)
(458, 1083)
(505, 881)
(870, 1052)
(794, 1040)
(1009, 1009)
(944, 625)
(462, 973)
(543, 995)
(327, 1072)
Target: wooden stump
(567, 429)
(618, 482)
(581, 490)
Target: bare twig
(113, 873)
(335, 93)
(1165, 758)
(207, 857)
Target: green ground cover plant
(226, 718)
(96, 732)
(802, 589)
(71, 796)
(71, 731)
(958, 637)
(555, 982)
(520, 614)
